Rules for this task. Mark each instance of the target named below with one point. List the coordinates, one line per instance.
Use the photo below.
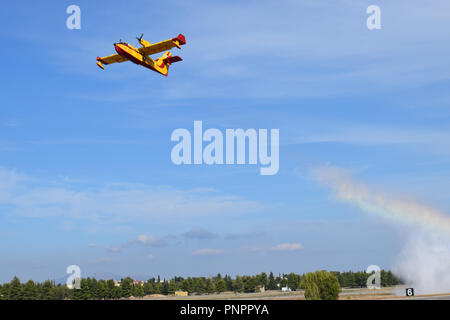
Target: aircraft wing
(163, 45)
(112, 59)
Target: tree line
(352, 279)
(93, 289)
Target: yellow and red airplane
(141, 56)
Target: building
(138, 282)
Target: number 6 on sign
(409, 292)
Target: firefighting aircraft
(141, 56)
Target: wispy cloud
(371, 135)
(199, 233)
(114, 202)
(10, 179)
(426, 140)
(330, 49)
(288, 247)
(151, 240)
(353, 59)
(147, 240)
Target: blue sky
(85, 170)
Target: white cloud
(288, 247)
(114, 202)
(371, 135)
(330, 38)
(10, 179)
(150, 240)
(143, 239)
(426, 140)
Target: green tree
(149, 287)
(228, 283)
(85, 290)
(238, 284)
(209, 286)
(221, 286)
(263, 280)
(101, 289)
(59, 292)
(77, 294)
(139, 291)
(172, 287)
(46, 291)
(388, 279)
(320, 285)
(157, 288)
(4, 292)
(116, 293)
(126, 287)
(15, 289)
(186, 285)
(292, 281)
(249, 283)
(199, 285)
(165, 288)
(272, 282)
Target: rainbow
(401, 209)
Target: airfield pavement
(391, 293)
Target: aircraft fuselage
(131, 53)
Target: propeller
(140, 38)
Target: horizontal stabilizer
(173, 59)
